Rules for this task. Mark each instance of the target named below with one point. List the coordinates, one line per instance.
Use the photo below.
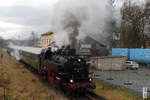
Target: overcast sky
(24, 16)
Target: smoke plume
(73, 20)
(72, 25)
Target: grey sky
(24, 16)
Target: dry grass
(148, 98)
(24, 85)
(111, 92)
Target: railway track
(89, 96)
(92, 96)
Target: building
(47, 39)
(108, 63)
(94, 43)
(96, 48)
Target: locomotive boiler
(62, 68)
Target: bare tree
(132, 25)
(147, 10)
(33, 39)
(147, 18)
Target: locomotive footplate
(78, 88)
(80, 85)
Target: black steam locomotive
(62, 68)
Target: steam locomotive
(62, 68)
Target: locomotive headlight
(71, 81)
(79, 60)
(90, 79)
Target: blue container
(119, 52)
(140, 55)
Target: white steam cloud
(16, 54)
(87, 17)
(83, 18)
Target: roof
(26, 49)
(92, 39)
(47, 33)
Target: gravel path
(139, 79)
